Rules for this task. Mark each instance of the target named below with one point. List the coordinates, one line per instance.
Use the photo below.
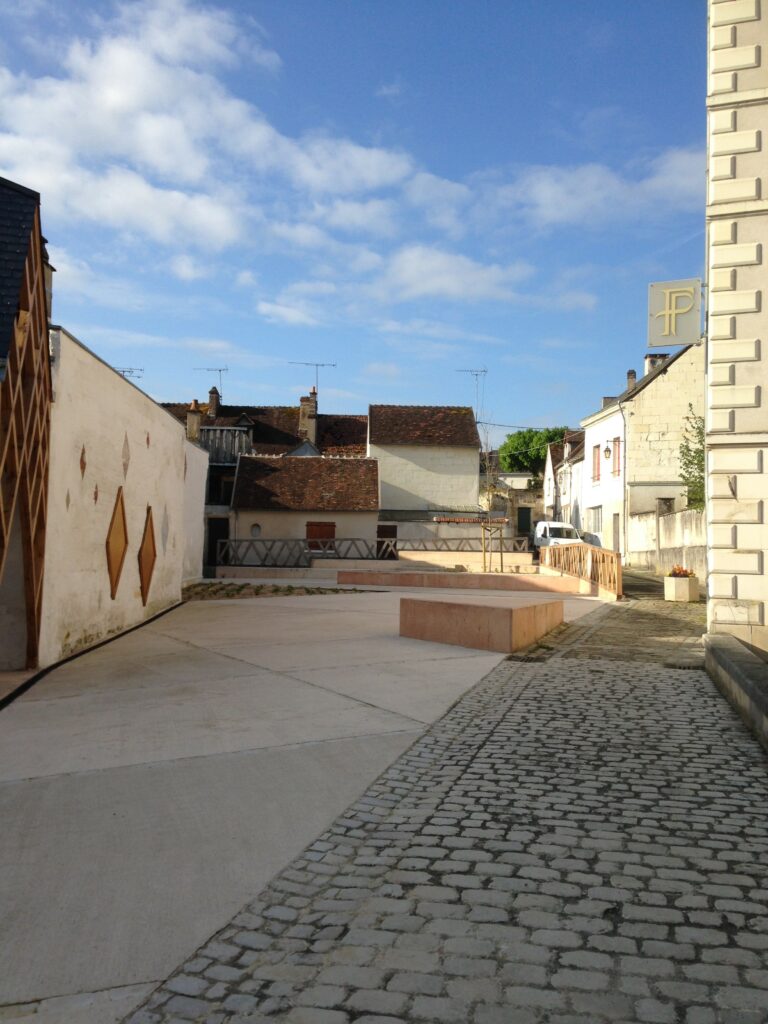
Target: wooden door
(321, 532)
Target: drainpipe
(625, 525)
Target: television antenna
(317, 370)
(214, 369)
(478, 374)
(130, 371)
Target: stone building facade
(737, 239)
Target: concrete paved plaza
(582, 838)
(152, 787)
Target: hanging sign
(674, 313)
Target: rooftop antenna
(317, 370)
(130, 371)
(215, 369)
(478, 375)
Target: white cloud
(594, 194)
(76, 279)
(186, 268)
(418, 271)
(246, 279)
(275, 312)
(442, 202)
(135, 131)
(436, 329)
(391, 371)
(390, 90)
(370, 216)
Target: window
(563, 532)
(595, 519)
(616, 456)
(255, 531)
(595, 463)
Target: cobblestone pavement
(580, 839)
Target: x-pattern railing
(300, 553)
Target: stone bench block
(486, 627)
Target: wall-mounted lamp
(607, 452)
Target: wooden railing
(596, 565)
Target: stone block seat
(486, 627)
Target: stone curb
(742, 678)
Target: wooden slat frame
(25, 418)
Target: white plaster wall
(95, 408)
(194, 503)
(293, 525)
(420, 476)
(608, 491)
(656, 420)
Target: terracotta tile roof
(452, 425)
(17, 217)
(310, 484)
(556, 453)
(342, 435)
(276, 427)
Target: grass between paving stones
(219, 590)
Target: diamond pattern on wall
(147, 556)
(126, 455)
(117, 543)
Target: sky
(407, 189)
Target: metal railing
(300, 553)
(511, 544)
(596, 565)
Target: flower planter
(681, 588)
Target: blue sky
(406, 188)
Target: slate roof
(451, 425)
(306, 484)
(17, 218)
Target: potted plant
(681, 584)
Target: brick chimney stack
(631, 379)
(308, 416)
(194, 418)
(213, 402)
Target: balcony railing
(595, 565)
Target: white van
(551, 534)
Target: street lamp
(607, 451)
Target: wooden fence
(596, 565)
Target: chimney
(213, 403)
(654, 360)
(631, 379)
(308, 416)
(194, 418)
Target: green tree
(526, 451)
(692, 459)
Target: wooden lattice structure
(25, 394)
